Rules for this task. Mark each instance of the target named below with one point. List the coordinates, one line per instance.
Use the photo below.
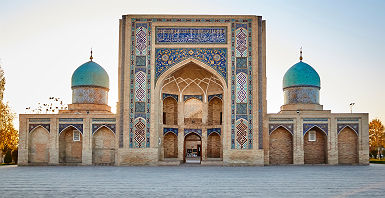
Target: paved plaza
(193, 181)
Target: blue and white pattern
(165, 95)
(186, 97)
(197, 131)
(323, 127)
(96, 127)
(353, 126)
(210, 97)
(172, 130)
(216, 58)
(191, 35)
(32, 127)
(213, 130)
(78, 127)
(288, 127)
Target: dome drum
(301, 95)
(89, 95)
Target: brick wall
(214, 146)
(281, 147)
(315, 152)
(214, 111)
(170, 107)
(70, 151)
(38, 146)
(170, 145)
(103, 147)
(347, 147)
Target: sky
(42, 42)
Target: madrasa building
(192, 89)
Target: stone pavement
(193, 181)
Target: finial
(91, 55)
(300, 54)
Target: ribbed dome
(90, 74)
(301, 74)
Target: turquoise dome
(90, 74)
(301, 74)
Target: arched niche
(70, 145)
(347, 146)
(215, 111)
(170, 111)
(38, 146)
(170, 145)
(315, 146)
(214, 146)
(103, 146)
(281, 146)
(193, 111)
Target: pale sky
(42, 42)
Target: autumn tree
(376, 135)
(8, 134)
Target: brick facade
(38, 146)
(281, 147)
(214, 146)
(103, 147)
(315, 152)
(170, 146)
(347, 147)
(69, 150)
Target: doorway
(192, 148)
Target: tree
(376, 135)
(9, 136)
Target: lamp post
(351, 106)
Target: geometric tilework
(214, 130)
(78, 127)
(241, 135)
(31, 127)
(140, 133)
(241, 41)
(172, 130)
(39, 120)
(241, 88)
(141, 39)
(307, 127)
(140, 60)
(96, 127)
(241, 108)
(70, 119)
(353, 126)
(140, 86)
(197, 131)
(241, 62)
(191, 35)
(273, 127)
(165, 58)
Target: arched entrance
(347, 146)
(315, 146)
(281, 147)
(192, 148)
(103, 147)
(191, 95)
(70, 146)
(170, 145)
(38, 146)
(214, 146)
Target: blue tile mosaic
(353, 126)
(216, 58)
(213, 130)
(186, 97)
(210, 97)
(140, 61)
(140, 107)
(165, 95)
(96, 127)
(172, 130)
(39, 120)
(307, 127)
(191, 35)
(78, 127)
(32, 127)
(241, 62)
(197, 131)
(241, 108)
(288, 127)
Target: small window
(312, 136)
(76, 136)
